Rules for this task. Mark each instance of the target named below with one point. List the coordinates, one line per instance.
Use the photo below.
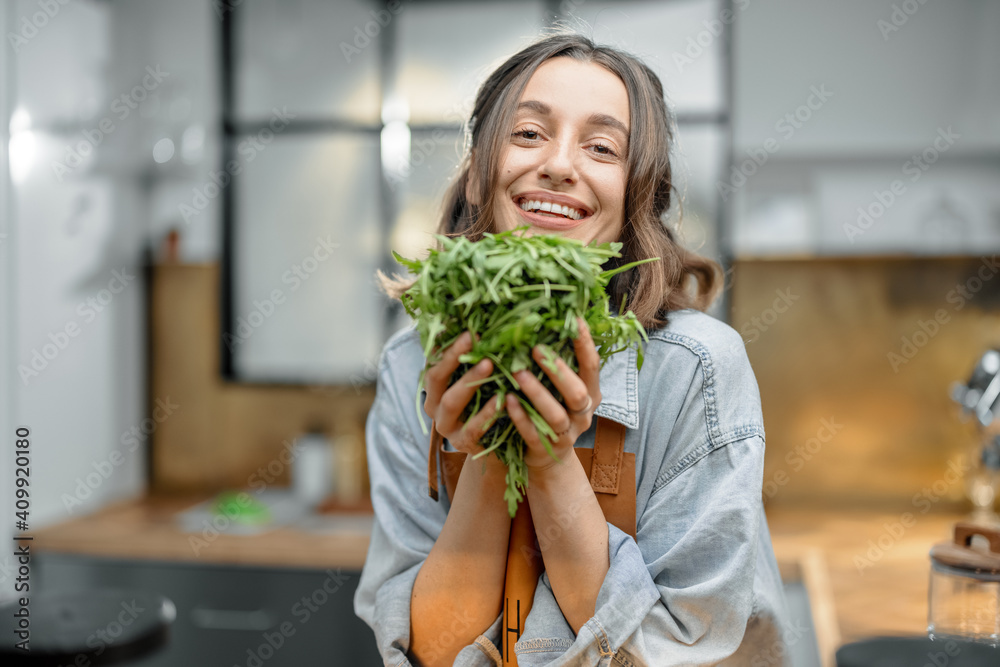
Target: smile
(552, 210)
(536, 206)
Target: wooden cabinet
(229, 615)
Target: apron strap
(609, 447)
(524, 559)
(437, 440)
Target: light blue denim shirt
(699, 583)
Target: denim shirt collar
(620, 389)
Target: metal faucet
(980, 397)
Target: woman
(573, 139)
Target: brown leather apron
(612, 476)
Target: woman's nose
(558, 163)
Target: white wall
(866, 128)
(7, 424)
(70, 232)
(76, 230)
(77, 393)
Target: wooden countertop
(875, 566)
(148, 529)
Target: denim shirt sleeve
(407, 521)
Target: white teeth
(549, 207)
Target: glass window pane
(682, 41)
(420, 186)
(448, 48)
(434, 158)
(318, 58)
(697, 160)
(294, 200)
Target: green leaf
(513, 292)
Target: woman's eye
(526, 134)
(604, 150)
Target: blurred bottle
(313, 469)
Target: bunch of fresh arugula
(513, 292)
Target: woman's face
(563, 171)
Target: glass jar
(964, 597)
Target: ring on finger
(585, 408)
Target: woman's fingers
(438, 376)
(522, 422)
(457, 396)
(536, 455)
(588, 359)
(474, 429)
(544, 402)
(580, 391)
(573, 387)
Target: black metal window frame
(233, 130)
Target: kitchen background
(194, 197)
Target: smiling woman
(571, 138)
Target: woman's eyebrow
(603, 119)
(599, 119)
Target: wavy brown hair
(681, 279)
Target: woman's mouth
(549, 214)
(549, 208)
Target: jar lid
(960, 554)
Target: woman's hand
(582, 394)
(445, 403)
